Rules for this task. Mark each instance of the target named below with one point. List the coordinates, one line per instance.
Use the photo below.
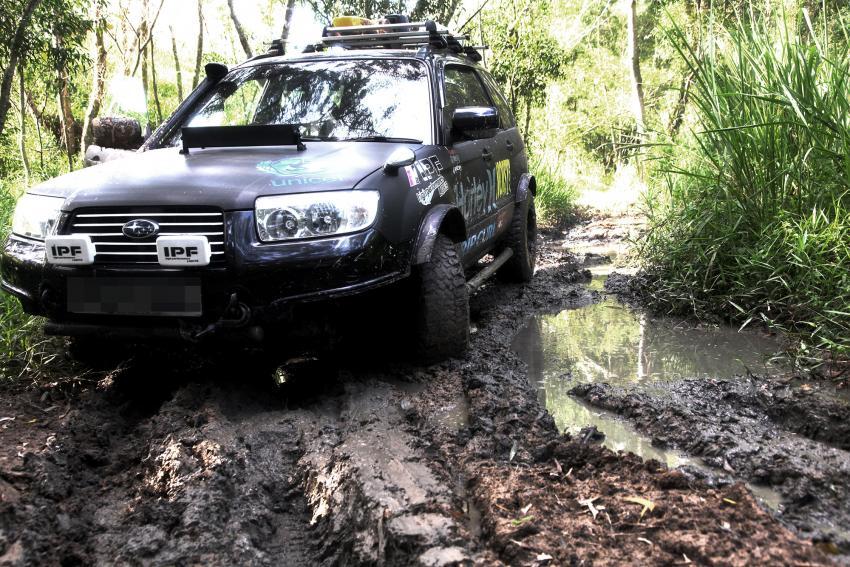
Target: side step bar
(489, 270)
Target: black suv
(383, 153)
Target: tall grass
(23, 347)
(556, 197)
(751, 220)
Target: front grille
(104, 226)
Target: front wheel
(442, 316)
(522, 238)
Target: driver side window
(463, 88)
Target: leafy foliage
(525, 57)
(752, 219)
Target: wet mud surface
(187, 458)
(762, 430)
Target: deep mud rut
(183, 459)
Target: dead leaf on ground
(647, 504)
(588, 502)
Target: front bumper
(269, 278)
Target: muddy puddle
(607, 342)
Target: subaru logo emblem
(140, 228)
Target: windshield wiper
(382, 139)
(320, 138)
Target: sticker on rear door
(183, 250)
(73, 250)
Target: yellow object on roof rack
(346, 21)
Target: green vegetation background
(736, 150)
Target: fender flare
(441, 219)
(527, 183)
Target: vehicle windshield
(379, 99)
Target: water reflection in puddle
(609, 342)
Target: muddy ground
(179, 458)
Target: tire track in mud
(760, 429)
(206, 474)
(199, 458)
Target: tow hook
(235, 315)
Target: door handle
(509, 145)
(486, 154)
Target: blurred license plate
(135, 296)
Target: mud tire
(522, 238)
(442, 311)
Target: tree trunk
(681, 104)
(177, 65)
(452, 9)
(243, 39)
(145, 88)
(287, 25)
(36, 118)
(154, 86)
(22, 139)
(14, 55)
(66, 114)
(51, 122)
(637, 79)
(199, 57)
(98, 75)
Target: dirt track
(178, 459)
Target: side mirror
(475, 121)
(399, 158)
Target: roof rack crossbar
(377, 27)
(387, 37)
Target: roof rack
(407, 35)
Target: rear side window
(505, 115)
(464, 88)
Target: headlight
(308, 215)
(36, 216)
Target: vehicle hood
(229, 178)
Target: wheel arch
(527, 184)
(442, 219)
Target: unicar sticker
(297, 171)
(291, 166)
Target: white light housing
(311, 215)
(36, 216)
